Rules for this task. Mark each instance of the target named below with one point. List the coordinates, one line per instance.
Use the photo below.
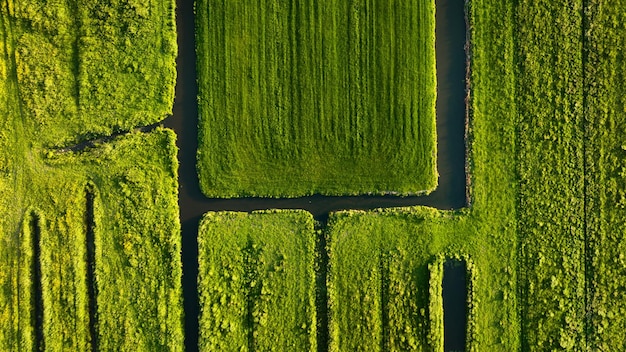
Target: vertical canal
(92, 290)
(37, 296)
(454, 291)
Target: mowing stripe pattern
(303, 97)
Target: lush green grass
(257, 281)
(605, 133)
(93, 67)
(331, 97)
(380, 283)
(133, 178)
(416, 237)
(551, 171)
(137, 244)
(137, 238)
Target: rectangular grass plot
(331, 97)
(257, 281)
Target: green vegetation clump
(89, 240)
(330, 97)
(257, 281)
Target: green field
(310, 97)
(90, 240)
(257, 281)
(329, 97)
(385, 283)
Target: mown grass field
(330, 97)
(90, 240)
(257, 281)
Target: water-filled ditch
(451, 120)
(454, 292)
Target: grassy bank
(327, 97)
(257, 281)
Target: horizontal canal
(451, 122)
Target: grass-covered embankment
(257, 281)
(329, 97)
(90, 241)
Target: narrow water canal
(451, 118)
(454, 291)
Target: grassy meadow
(329, 97)
(89, 240)
(295, 98)
(257, 281)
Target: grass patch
(257, 281)
(329, 97)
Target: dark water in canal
(454, 288)
(451, 115)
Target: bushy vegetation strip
(551, 170)
(257, 281)
(605, 136)
(302, 97)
